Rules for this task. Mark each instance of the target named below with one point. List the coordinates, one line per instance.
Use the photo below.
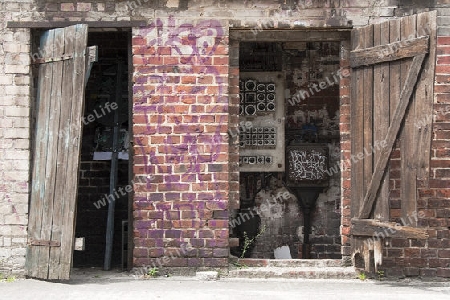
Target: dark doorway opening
(311, 117)
(94, 190)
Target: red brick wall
(429, 257)
(344, 129)
(180, 123)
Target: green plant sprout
(362, 276)
(380, 275)
(247, 243)
(153, 272)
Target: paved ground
(122, 287)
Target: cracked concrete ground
(106, 285)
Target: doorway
(272, 210)
(104, 84)
(97, 167)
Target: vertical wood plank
(368, 113)
(426, 25)
(52, 152)
(357, 134)
(381, 117)
(60, 195)
(57, 153)
(75, 134)
(394, 74)
(38, 176)
(408, 184)
(357, 126)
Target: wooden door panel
(60, 103)
(392, 91)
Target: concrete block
(21, 123)
(21, 165)
(19, 251)
(17, 69)
(21, 144)
(443, 21)
(16, 219)
(6, 79)
(368, 3)
(19, 230)
(173, 3)
(22, 36)
(21, 133)
(443, 12)
(12, 6)
(12, 47)
(7, 100)
(21, 209)
(18, 261)
(5, 252)
(23, 101)
(67, 7)
(5, 230)
(207, 275)
(22, 80)
(5, 209)
(22, 189)
(19, 241)
(443, 31)
(83, 6)
(17, 111)
(6, 123)
(8, 37)
(16, 176)
(23, 197)
(7, 242)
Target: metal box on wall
(307, 165)
(262, 118)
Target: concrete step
(294, 272)
(291, 268)
(301, 263)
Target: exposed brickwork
(427, 258)
(344, 128)
(183, 206)
(182, 112)
(15, 145)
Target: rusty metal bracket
(52, 59)
(45, 243)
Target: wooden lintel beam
(60, 24)
(384, 155)
(377, 229)
(389, 52)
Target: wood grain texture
(393, 130)
(408, 184)
(426, 24)
(379, 230)
(409, 47)
(368, 113)
(74, 145)
(381, 113)
(56, 154)
(39, 155)
(357, 127)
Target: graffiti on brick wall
(168, 52)
(306, 164)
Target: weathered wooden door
(60, 100)
(392, 99)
